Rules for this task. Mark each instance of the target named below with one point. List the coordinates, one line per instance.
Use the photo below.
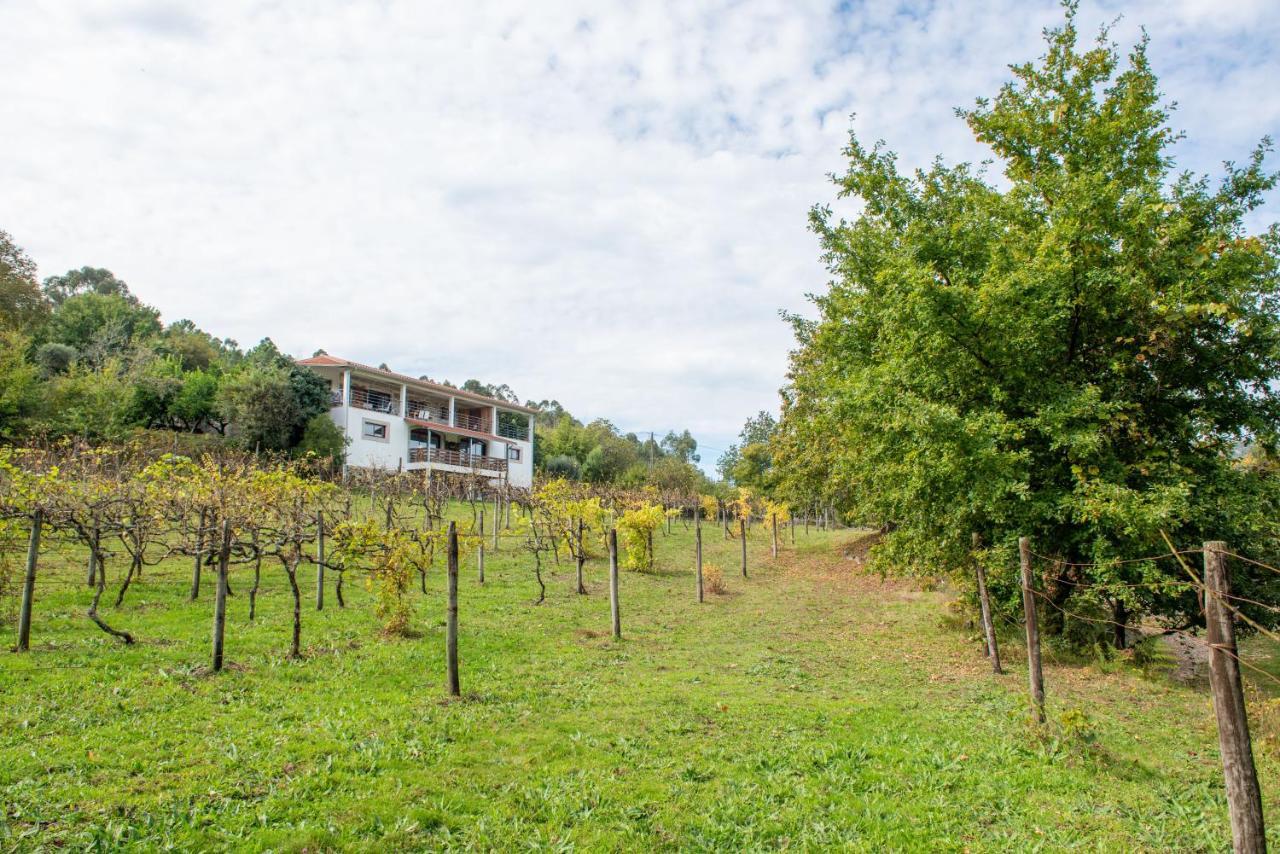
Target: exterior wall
(374, 453)
(521, 473)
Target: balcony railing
(376, 401)
(456, 458)
(513, 431)
(479, 423)
(425, 410)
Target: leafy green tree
(53, 358)
(101, 326)
(86, 280)
(22, 306)
(96, 404)
(1072, 352)
(749, 462)
(323, 438)
(563, 466)
(497, 392)
(156, 381)
(672, 473)
(19, 384)
(682, 446)
(258, 401)
(195, 405)
(195, 348)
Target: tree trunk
(295, 646)
(1120, 631)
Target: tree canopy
(1073, 350)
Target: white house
(394, 421)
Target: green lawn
(809, 707)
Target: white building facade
(394, 421)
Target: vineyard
(798, 702)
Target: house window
(376, 430)
(513, 454)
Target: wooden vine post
(1244, 799)
(1035, 676)
(320, 561)
(698, 551)
(613, 584)
(773, 521)
(581, 555)
(480, 549)
(988, 627)
(29, 582)
(742, 531)
(451, 619)
(220, 597)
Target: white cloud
(602, 203)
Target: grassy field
(808, 707)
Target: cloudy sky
(598, 202)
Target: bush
(54, 358)
(563, 466)
(323, 438)
(713, 579)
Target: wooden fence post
(480, 550)
(1244, 798)
(742, 530)
(220, 597)
(773, 520)
(320, 558)
(582, 559)
(697, 550)
(988, 627)
(29, 582)
(451, 620)
(613, 584)
(199, 559)
(1035, 676)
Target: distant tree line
(81, 356)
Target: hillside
(810, 706)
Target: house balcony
(434, 411)
(375, 400)
(477, 420)
(520, 432)
(461, 459)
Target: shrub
(635, 534)
(562, 466)
(713, 579)
(323, 438)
